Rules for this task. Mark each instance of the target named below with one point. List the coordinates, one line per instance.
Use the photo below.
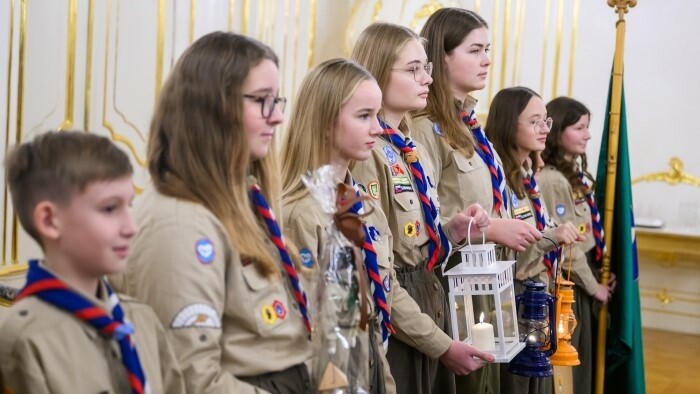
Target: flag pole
(613, 137)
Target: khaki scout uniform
(566, 206)
(419, 322)
(224, 318)
(46, 350)
(462, 182)
(306, 223)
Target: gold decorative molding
(424, 12)
(663, 297)
(70, 66)
(88, 66)
(674, 176)
(668, 246)
(231, 8)
(557, 47)
(622, 6)
(547, 10)
(504, 44)
(574, 33)
(10, 47)
(312, 32)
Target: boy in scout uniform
(422, 355)
(210, 257)
(67, 332)
(567, 190)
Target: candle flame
(481, 318)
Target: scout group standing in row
(215, 268)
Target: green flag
(624, 364)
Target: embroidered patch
(279, 308)
(522, 213)
(409, 229)
(374, 234)
(560, 210)
(307, 259)
(588, 227)
(374, 189)
(417, 228)
(362, 187)
(515, 200)
(401, 180)
(204, 250)
(386, 283)
(390, 154)
(396, 169)
(402, 188)
(269, 316)
(581, 228)
(196, 315)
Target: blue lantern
(536, 327)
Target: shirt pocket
(408, 212)
(268, 301)
(466, 169)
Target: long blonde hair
(377, 49)
(198, 149)
(444, 31)
(309, 138)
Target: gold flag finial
(622, 6)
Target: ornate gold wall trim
(160, 45)
(312, 33)
(517, 56)
(231, 14)
(70, 66)
(494, 37)
(572, 56)
(504, 44)
(672, 313)
(673, 177)
(88, 66)
(193, 18)
(672, 244)
(547, 15)
(557, 47)
(10, 48)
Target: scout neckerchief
(373, 273)
(52, 290)
(485, 151)
(549, 259)
(273, 231)
(595, 217)
(438, 239)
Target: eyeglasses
(268, 103)
(539, 124)
(418, 70)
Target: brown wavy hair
(502, 128)
(198, 148)
(444, 31)
(565, 112)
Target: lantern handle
(469, 235)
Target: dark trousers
(293, 380)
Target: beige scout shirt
(565, 206)
(529, 263)
(46, 350)
(224, 318)
(306, 224)
(462, 181)
(387, 179)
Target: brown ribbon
(350, 225)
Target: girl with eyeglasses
(210, 258)
(468, 168)
(567, 189)
(400, 176)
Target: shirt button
(439, 315)
(371, 363)
(435, 285)
(411, 201)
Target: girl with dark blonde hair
(210, 257)
(422, 355)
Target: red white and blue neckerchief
(485, 151)
(541, 219)
(438, 240)
(595, 217)
(52, 290)
(273, 231)
(372, 267)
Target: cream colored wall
(557, 47)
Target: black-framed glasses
(268, 103)
(418, 70)
(539, 124)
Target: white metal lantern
(479, 275)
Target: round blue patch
(561, 210)
(516, 202)
(390, 154)
(307, 259)
(204, 250)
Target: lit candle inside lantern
(482, 334)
